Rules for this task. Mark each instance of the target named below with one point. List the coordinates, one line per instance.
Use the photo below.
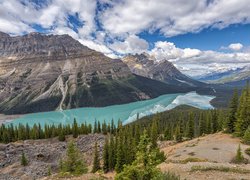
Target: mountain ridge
(147, 66)
(41, 72)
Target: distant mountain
(146, 65)
(237, 76)
(47, 72)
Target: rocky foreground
(206, 158)
(42, 154)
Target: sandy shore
(8, 118)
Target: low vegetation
(73, 163)
(239, 158)
(220, 168)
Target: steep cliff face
(48, 72)
(145, 65)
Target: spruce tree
(111, 153)
(106, 156)
(233, 106)
(144, 166)
(243, 113)
(239, 158)
(73, 162)
(61, 136)
(154, 133)
(119, 155)
(96, 163)
(190, 126)
(246, 137)
(24, 161)
(178, 135)
(75, 129)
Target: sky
(198, 36)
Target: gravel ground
(215, 149)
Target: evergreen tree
(239, 157)
(75, 129)
(24, 161)
(61, 136)
(73, 163)
(106, 156)
(243, 112)
(99, 130)
(214, 122)
(119, 155)
(111, 153)
(178, 135)
(95, 127)
(233, 106)
(144, 166)
(96, 163)
(49, 171)
(246, 137)
(167, 133)
(190, 126)
(202, 124)
(154, 133)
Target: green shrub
(24, 161)
(239, 158)
(166, 176)
(246, 137)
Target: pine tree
(233, 106)
(73, 163)
(190, 126)
(202, 124)
(99, 130)
(239, 157)
(49, 171)
(167, 133)
(178, 135)
(61, 136)
(24, 161)
(95, 127)
(154, 133)
(106, 156)
(96, 163)
(144, 166)
(75, 129)
(111, 153)
(214, 122)
(246, 137)
(243, 113)
(119, 156)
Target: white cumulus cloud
(235, 46)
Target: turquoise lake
(125, 112)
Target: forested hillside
(125, 146)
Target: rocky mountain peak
(4, 35)
(40, 72)
(146, 65)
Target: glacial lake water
(125, 112)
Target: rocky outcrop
(147, 66)
(42, 154)
(41, 72)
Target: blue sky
(201, 36)
(207, 39)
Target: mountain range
(41, 72)
(164, 71)
(234, 77)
